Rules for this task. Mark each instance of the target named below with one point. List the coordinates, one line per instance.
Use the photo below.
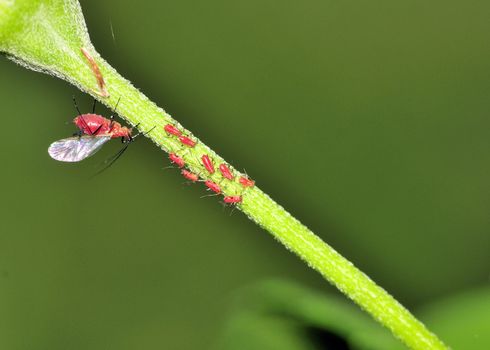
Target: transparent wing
(75, 149)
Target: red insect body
(246, 182)
(172, 130)
(232, 199)
(97, 125)
(190, 176)
(187, 141)
(225, 171)
(177, 160)
(208, 163)
(212, 186)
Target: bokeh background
(369, 121)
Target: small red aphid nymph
(232, 199)
(208, 163)
(190, 176)
(169, 128)
(177, 160)
(187, 141)
(246, 182)
(213, 186)
(225, 171)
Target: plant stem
(49, 36)
(259, 207)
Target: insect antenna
(109, 161)
(142, 133)
(209, 195)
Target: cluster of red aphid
(96, 126)
(208, 165)
(172, 130)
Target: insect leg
(142, 133)
(112, 159)
(112, 116)
(76, 105)
(81, 117)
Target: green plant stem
(48, 35)
(259, 207)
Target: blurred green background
(369, 121)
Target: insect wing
(75, 149)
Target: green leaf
(281, 315)
(286, 316)
(47, 36)
(463, 320)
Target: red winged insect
(94, 131)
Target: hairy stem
(50, 36)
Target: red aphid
(187, 141)
(96, 125)
(246, 182)
(208, 163)
(190, 176)
(232, 199)
(213, 186)
(177, 160)
(169, 128)
(225, 171)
